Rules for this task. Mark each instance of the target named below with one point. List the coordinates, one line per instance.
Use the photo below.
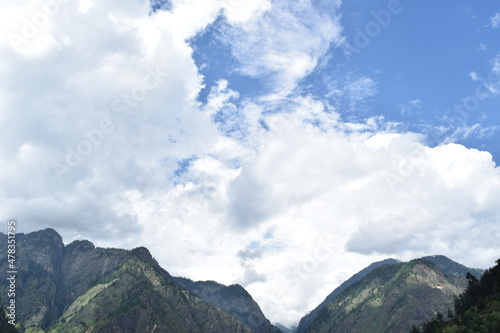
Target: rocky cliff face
(392, 298)
(80, 288)
(39, 258)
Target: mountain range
(82, 288)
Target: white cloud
(315, 198)
(85, 6)
(402, 199)
(374, 201)
(112, 104)
(240, 11)
(495, 20)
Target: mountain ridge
(61, 286)
(80, 288)
(308, 318)
(391, 298)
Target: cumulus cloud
(91, 116)
(375, 197)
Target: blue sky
(280, 145)
(419, 59)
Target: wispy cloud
(410, 107)
(361, 89)
(495, 20)
(496, 65)
(350, 92)
(285, 42)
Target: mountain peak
(80, 245)
(146, 256)
(233, 299)
(47, 235)
(308, 319)
(392, 298)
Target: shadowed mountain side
(233, 299)
(391, 298)
(308, 319)
(139, 297)
(80, 288)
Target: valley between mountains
(79, 288)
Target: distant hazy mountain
(308, 319)
(393, 298)
(233, 299)
(286, 329)
(453, 268)
(80, 288)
